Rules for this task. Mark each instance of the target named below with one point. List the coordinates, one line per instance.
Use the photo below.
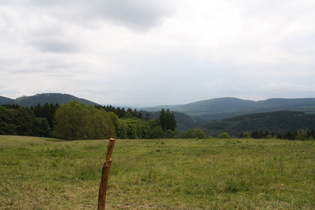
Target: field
(43, 173)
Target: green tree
(23, 120)
(194, 133)
(74, 120)
(172, 134)
(41, 127)
(6, 122)
(167, 120)
(46, 111)
(199, 134)
(224, 135)
(162, 119)
(245, 134)
(157, 133)
(71, 121)
(133, 128)
(101, 123)
(170, 120)
(301, 135)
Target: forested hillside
(5, 100)
(223, 108)
(76, 120)
(50, 98)
(184, 121)
(36, 115)
(276, 123)
(206, 110)
(215, 106)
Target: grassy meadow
(44, 173)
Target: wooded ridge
(223, 108)
(43, 98)
(214, 116)
(275, 123)
(205, 110)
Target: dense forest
(75, 120)
(282, 124)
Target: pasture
(44, 173)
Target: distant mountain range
(192, 114)
(222, 108)
(184, 121)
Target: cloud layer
(135, 52)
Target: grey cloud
(135, 14)
(138, 14)
(54, 37)
(55, 46)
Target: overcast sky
(158, 52)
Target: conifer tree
(167, 120)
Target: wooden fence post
(105, 175)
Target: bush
(224, 135)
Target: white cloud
(166, 52)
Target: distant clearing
(43, 173)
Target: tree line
(27, 121)
(280, 124)
(299, 134)
(75, 120)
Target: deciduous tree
(75, 120)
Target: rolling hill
(192, 114)
(50, 98)
(184, 121)
(5, 100)
(222, 108)
(272, 122)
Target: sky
(158, 52)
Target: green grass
(43, 173)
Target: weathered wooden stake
(105, 175)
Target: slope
(5, 100)
(50, 98)
(223, 108)
(184, 121)
(272, 122)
